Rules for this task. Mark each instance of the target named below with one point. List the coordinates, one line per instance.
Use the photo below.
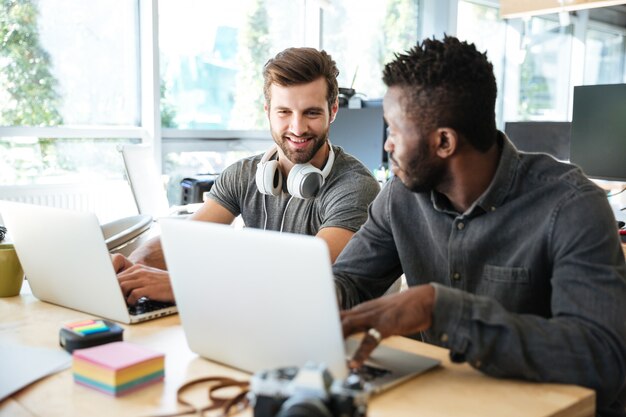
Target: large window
(543, 77)
(544, 63)
(363, 35)
(77, 78)
(211, 64)
(66, 63)
(604, 56)
(480, 24)
(212, 59)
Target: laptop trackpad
(388, 367)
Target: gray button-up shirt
(530, 281)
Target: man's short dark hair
(295, 66)
(448, 84)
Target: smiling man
(513, 259)
(302, 184)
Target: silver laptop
(257, 300)
(66, 262)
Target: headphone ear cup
(304, 181)
(269, 180)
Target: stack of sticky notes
(86, 327)
(88, 333)
(117, 368)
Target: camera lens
(304, 407)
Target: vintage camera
(309, 391)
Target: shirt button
(456, 276)
(492, 208)
(444, 337)
(460, 226)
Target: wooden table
(449, 390)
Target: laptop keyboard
(145, 305)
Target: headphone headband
(331, 160)
(270, 152)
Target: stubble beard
(301, 156)
(422, 173)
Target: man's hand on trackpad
(403, 313)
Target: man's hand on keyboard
(144, 281)
(120, 262)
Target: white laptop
(66, 262)
(145, 183)
(255, 300)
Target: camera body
(308, 391)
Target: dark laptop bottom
(145, 305)
(369, 373)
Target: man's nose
(298, 125)
(388, 145)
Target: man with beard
(513, 259)
(302, 184)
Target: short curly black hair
(448, 83)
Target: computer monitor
(552, 138)
(598, 142)
(361, 133)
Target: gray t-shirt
(341, 202)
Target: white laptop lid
(263, 300)
(146, 185)
(254, 299)
(145, 180)
(66, 261)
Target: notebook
(66, 262)
(256, 300)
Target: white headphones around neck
(303, 181)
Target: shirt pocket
(510, 286)
(505, 274)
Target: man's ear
(333, 110)
(447, 141)
(266, 107)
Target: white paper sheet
(22, 365)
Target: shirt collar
(496, 193)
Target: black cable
(619, 192)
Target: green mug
(11, 272)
